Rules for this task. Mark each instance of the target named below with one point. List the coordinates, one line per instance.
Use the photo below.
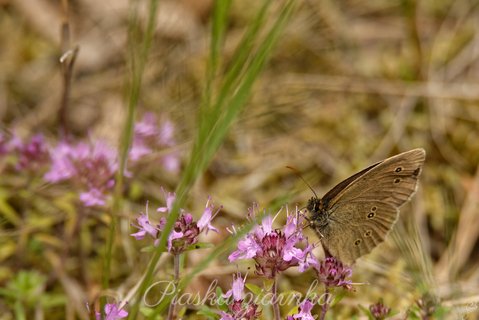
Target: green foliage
(26, 291)
(208, 312)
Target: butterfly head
(314, 205)
(318, 216)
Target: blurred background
(349, 83)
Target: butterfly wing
(348, 235)
(363, 212)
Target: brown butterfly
(358, 213)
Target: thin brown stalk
(276, 311)
(67, 61)
(325, 305)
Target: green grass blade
(212, 130)
(137, 65)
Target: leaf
(149, 249)
(254, 288)
(268, 284)
(200, 245)
(338, 297)
(208, 312)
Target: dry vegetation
(349, 83)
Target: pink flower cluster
(276, 250)
(150, 136)
(333, 273)
(185, 231)
(31, 154)
(91, 167)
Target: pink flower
(307, 259)
(304, 311)
(185, 230)
(91, 167)
(145, 227)
(150, 137)
(379, 311)
(237, 288)
(170, 198)
(237, 308)
(112, 312)
(205, 221)
(275, 250)
(31, 154)
(333, 273)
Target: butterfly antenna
(298, 174)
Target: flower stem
(325, 306)
(176, 262)
(277, 315)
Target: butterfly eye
(357, 242)
(371, 215)
(374, 208)
(397, 180)
(398, 169)
(367, 233)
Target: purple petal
(238, 288)
(188, 218)
(170, 198)
(247, 248)
(205, 220)
(308, 259)
(305, 311)
(173, 235)
(265, 228)
(267, 224)
(291, 226)
(112, 312)
(292, 252)
(162, 223)
(62, 166)
(138, 150)
(145, 228)
(147, 127)
(171, 162)
(92, 198)
(140, 235)
(166, 133)
(226, 316)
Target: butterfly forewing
(380, 181)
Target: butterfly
(358, 213)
